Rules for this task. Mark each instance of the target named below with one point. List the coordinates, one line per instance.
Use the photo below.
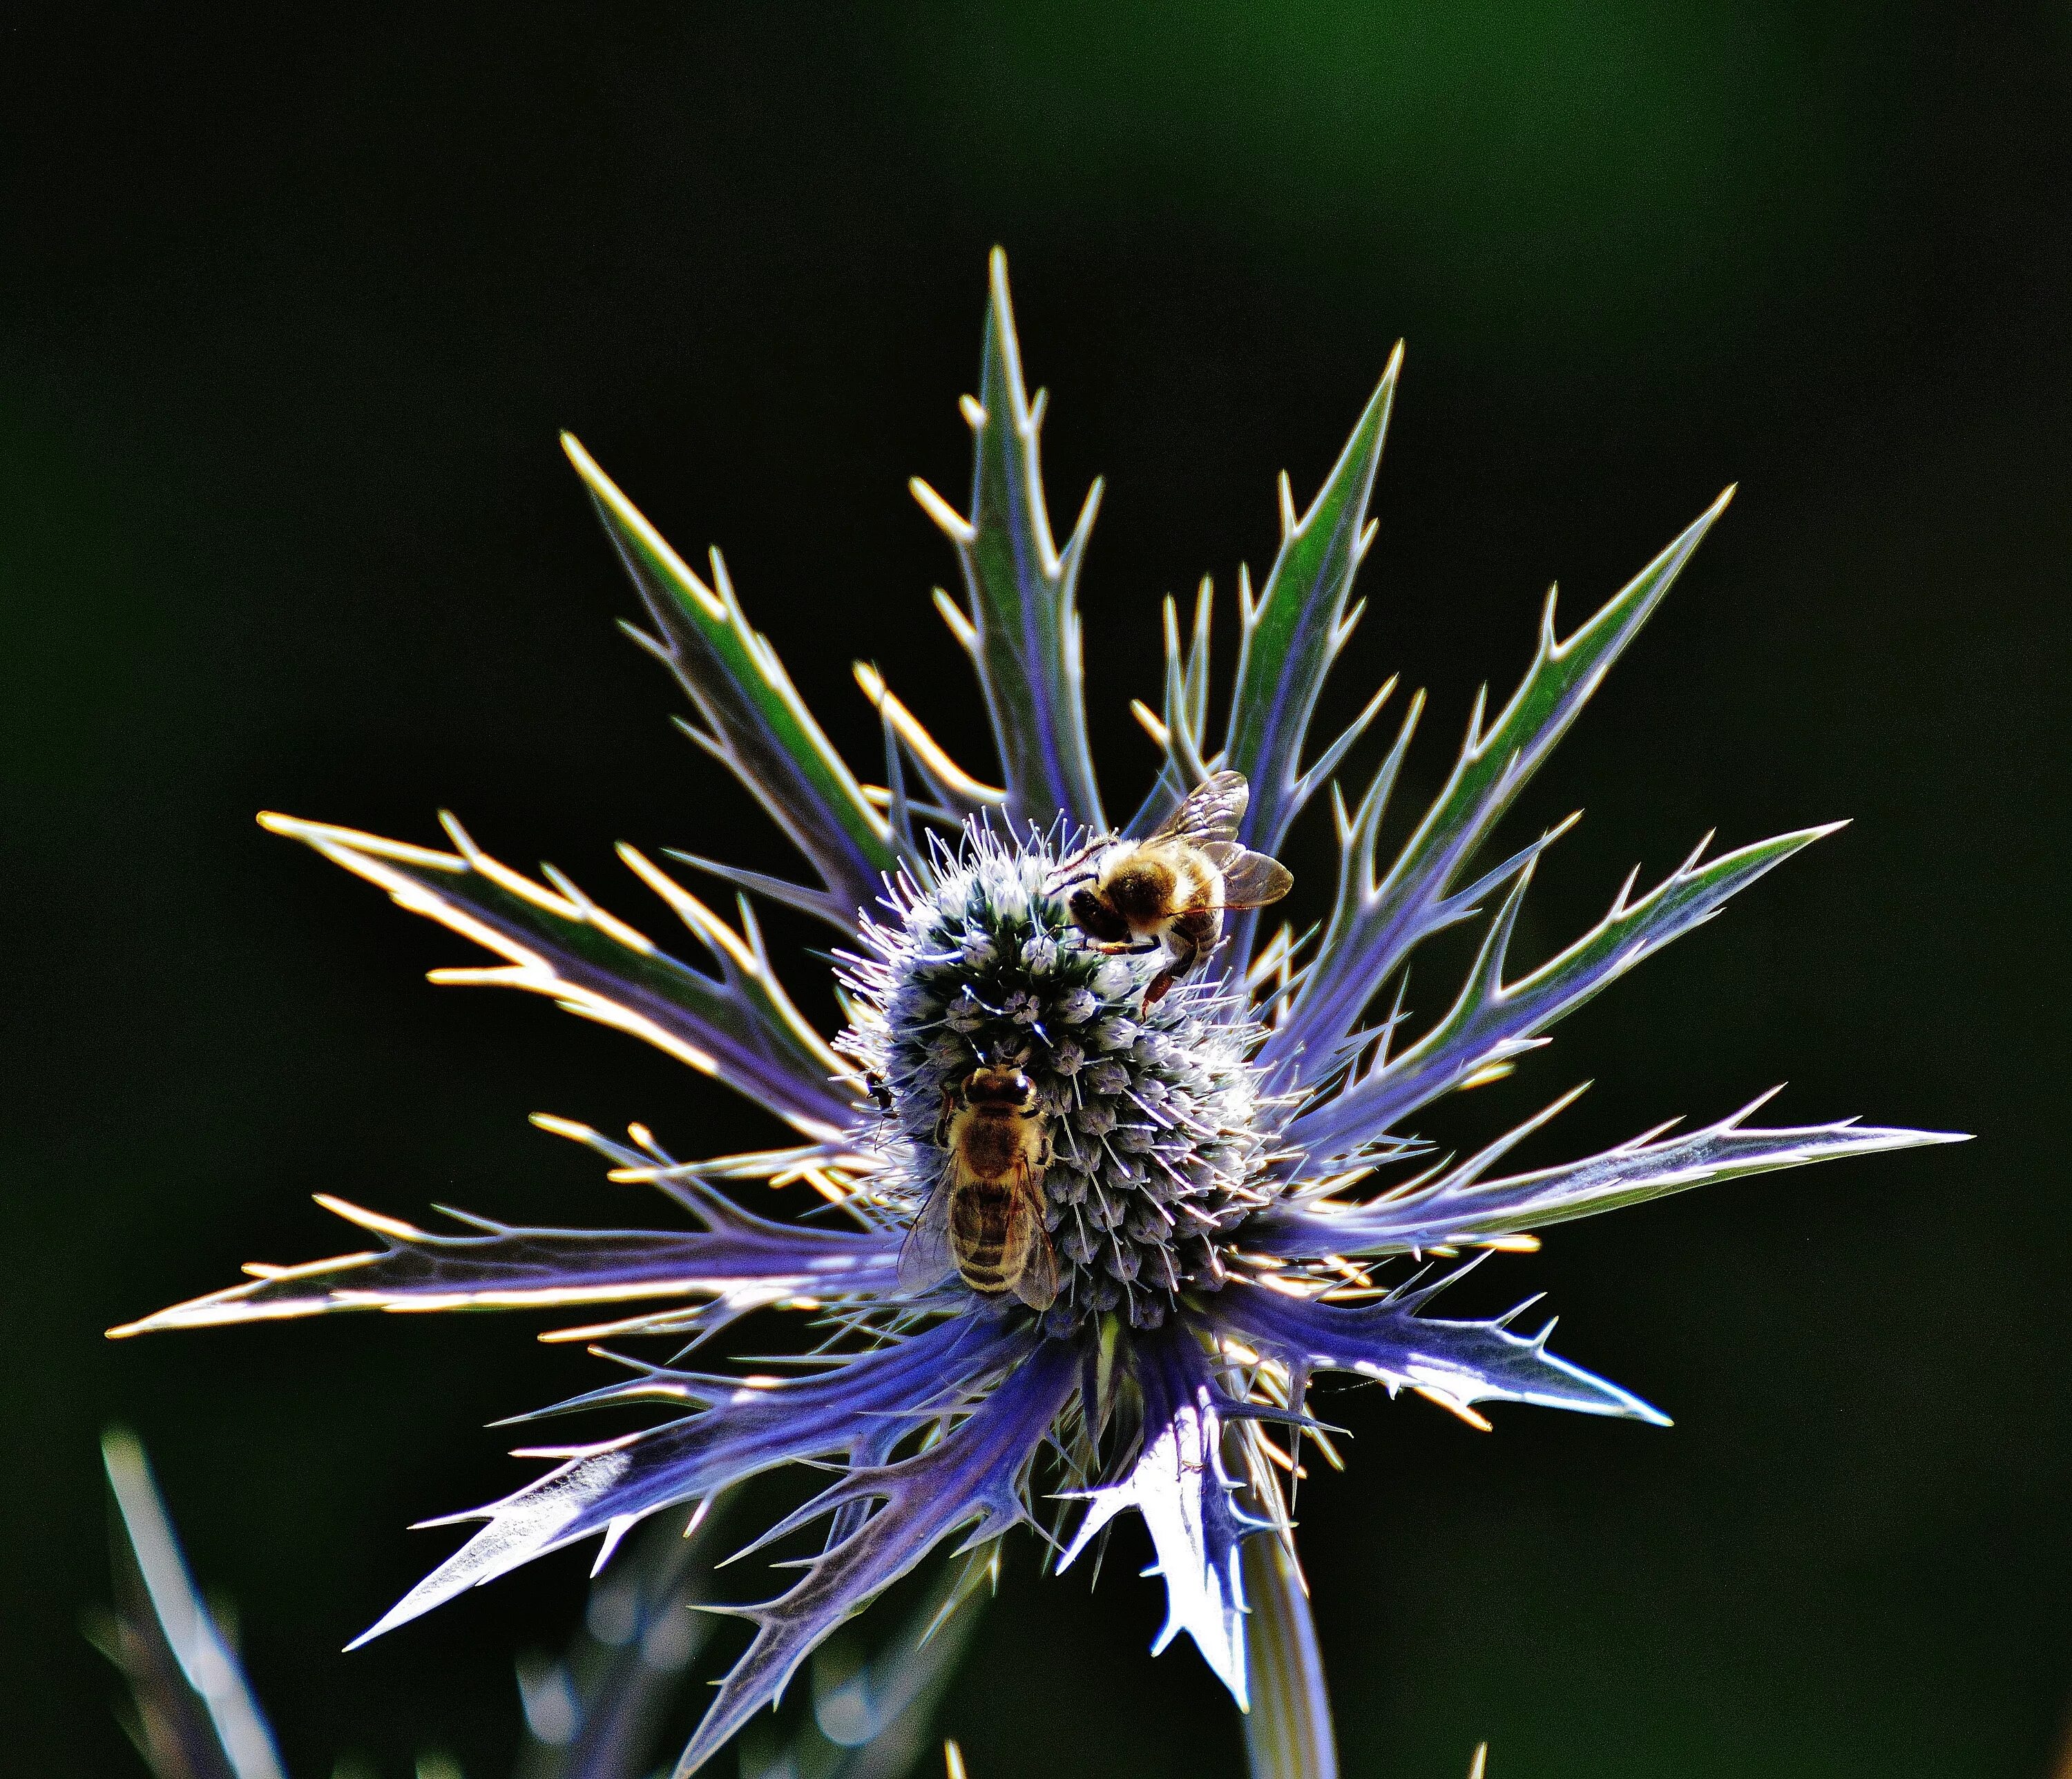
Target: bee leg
(1182, 954)
(943, 1120)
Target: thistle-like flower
(1222, 1169)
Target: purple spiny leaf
(761, 1425)
(1375, 924)
(755, 723)
(1459, 1205)
(1187, 1498)
(973, 1474)
(1022, 626)
(958, 795)
(739, 1027)
(739, 1256)
(1493, 1020)
(1294, 631)
(1455, 1364)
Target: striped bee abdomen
(979, 1223)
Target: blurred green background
(291, 312)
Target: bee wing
(1037, 1285)
(1251, 880)
(925, 1259)
(1212, 810)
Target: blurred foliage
(190, 1712)
(1628, 153)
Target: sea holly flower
(1231, 1168)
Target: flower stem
(1287, 1731)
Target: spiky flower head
(1225, 1171)
(1158, 1128)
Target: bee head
(1001, 1084)
(1095, 916)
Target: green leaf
(739, 1027)
(1021, 628)
(1494, 1020)
(1294, 632)
(755, 723)
(196, 1716)
(1375, 925)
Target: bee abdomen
(978, 1237)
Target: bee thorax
(989, 1146)
(1142, 889)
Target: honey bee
(986, 1216)
(1168, 893)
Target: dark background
(291, 312)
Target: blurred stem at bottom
(1287, 1731)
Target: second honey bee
(986, 1216)
(1168, 893)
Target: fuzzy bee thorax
(1147, 887)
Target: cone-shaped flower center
(1152, 1116)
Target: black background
(292, 309)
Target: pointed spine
(1493, 1020)
(1292, 634)
(752, 720)
(1371, 931)
(1023, 618)
(739, 1027)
